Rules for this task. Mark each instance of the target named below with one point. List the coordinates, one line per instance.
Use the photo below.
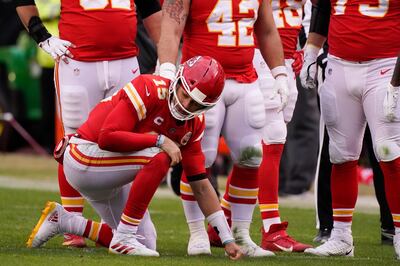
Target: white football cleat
(247, 246)
(198, 245)
(128, 244)
(396, 244)
(339, 244)
(48, 225)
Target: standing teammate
(98, 52)
(136, 135)
(288, 17)
(224, 30)
(354, 93)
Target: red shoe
(74, 241)
(276, 239)
(215, 241)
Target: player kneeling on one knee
(136, 135)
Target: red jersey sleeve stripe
(136, 100)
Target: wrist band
(279, 70)
(168, 70)
(36, 29)
(218, 221)
(160, 140)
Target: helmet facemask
(176, 108)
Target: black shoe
(323, 235)
(387, 236)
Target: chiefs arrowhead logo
(186, 138)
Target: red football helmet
(203, 78)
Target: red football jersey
(288, 15)
(362, 30)
(223, 30)
(132, 118)
(100, 29)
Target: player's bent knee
(387, 150)
(338, 155)
(250, 156)
(74, 106)
(275, 132)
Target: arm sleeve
(147, 7)
(193, 160)
(320, 17)
(117, 133)
(24, 3)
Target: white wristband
(279, 70)
(221, 227)
(168, 70)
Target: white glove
(308, 73)
(390, 102)
(281, 87)
(57, 48)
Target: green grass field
(20, 209)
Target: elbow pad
(320, 18)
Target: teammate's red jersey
(120, 123)
(288, 15)
(362, 30)
(224, 31)
(100, 29)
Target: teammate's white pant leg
(81, 85)
(244, 121)
(342, 110)
(385, 134)
(275, 130)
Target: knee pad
(74, 106)
(254, 108)
(275, 132)
(387, 150)
(338, 155)
(249, 153)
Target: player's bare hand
(233, 251)
(57, 48)
(172, 149)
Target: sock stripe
(72, 201)
(343, 212)
(225, 204)
(129, 220)
(396, 217)
(185, 189)
(268, 207)
(94, 231)
(244, 193)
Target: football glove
(308, 73)
(298, 57)
(57, 48)
(281, 87)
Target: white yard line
(366, 204)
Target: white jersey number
(291, 13)
(233, 33)
(101, 4)
(377, 11)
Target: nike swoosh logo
(348, 252)
(147, 91)
(290, 249)
(383, 72)
(134, 70)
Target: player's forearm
(153, 26)
(205, 196)
(123, 141)
(271, 49)
(168, 47)
(396, 74)
(25, 13)
(316, 40)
